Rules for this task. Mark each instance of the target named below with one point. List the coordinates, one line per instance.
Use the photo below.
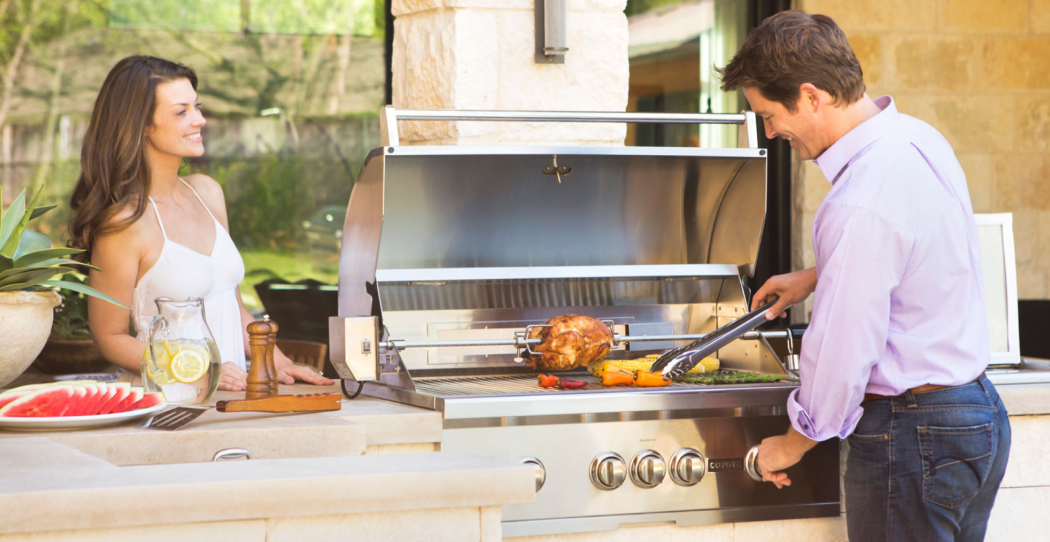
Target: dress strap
(199, 199)
(159, 221)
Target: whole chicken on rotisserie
(571, 341)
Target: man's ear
(811, 98)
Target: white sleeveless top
(181, 272)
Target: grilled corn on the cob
(645, 364)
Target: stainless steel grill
(451, 254)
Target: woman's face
(177, 120)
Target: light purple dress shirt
(899, 300)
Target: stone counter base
(471, 524)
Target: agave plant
(27, 259)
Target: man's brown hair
(792, 48)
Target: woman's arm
(117, 256)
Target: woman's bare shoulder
(208, 188)
(133, 236)
(210, 191)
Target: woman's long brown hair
(114, 171)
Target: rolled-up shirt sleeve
(860, 260)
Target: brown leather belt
(925, 388)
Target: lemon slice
(188, 366)
(167, 349)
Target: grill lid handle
(389, 116)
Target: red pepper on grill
(551, 381)
(566, 384)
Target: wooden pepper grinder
(259, 372)
(271, 346)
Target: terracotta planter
(25, 323)
(69, 356)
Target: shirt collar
(839, 154)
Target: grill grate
(457, 386)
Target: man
(897, 344)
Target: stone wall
(978, 71)
(479, 54)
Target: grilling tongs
(678, 361)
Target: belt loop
(910, 397)
(987, 393)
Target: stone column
(480, 55)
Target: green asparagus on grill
(726, 377)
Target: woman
(151, 233)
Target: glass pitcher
(181, 358)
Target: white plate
(77, 422)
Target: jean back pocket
(955, 462)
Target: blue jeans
(927, 467)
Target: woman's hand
(288, 372)
(789, 288)
(232, 377)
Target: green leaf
(33, 276)
(12, 217)
(17, 270)
(17, 287)
(64, 261)
(32, 242)
(32, 258)
(9, 247)
(39, 211)
(6, 263)
(84, 289)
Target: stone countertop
(1025, 399)
(303, 464)
(361, 426)
(56, 487)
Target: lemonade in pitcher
(183, 369)
(181, 359)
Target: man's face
(799, 128)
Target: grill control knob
(647, 469)
(541, 471)
(688, 467)
(608, 471)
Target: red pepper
(548, 381)
(566, 384)
(551, 381)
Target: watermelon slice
(82, 395)
(10, 395)
(76, 401)
(133, 397)
(148, 400)
(106, 392)
(96, 394)
(51, 401)
(122, 391)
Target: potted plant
(69, 348)
(30, 272)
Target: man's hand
(789, 289)
(778, 453)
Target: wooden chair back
(307, 353)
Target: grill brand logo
(725, 465)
